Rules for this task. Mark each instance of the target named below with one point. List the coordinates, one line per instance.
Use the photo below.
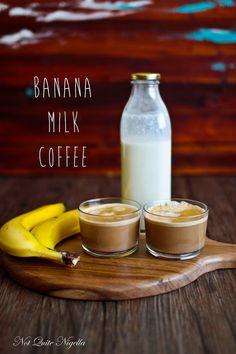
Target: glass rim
(115, 199)
(190, 201)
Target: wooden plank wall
(191, 43)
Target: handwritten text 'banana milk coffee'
(62, 122)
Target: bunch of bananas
(36, 233)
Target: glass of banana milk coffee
(109, 226)
(176, 228)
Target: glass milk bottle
(145, 135)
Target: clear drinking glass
(109, 226)
(174, 234)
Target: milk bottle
(145, 134)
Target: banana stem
(70, 258)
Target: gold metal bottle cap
(145, 76)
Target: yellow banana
(17, 240)
(54, 230)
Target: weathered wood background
(192, 44)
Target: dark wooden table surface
(200, 318)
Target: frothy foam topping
(111, 209)
(113, 212)
(175, 209)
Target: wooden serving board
(131, 277)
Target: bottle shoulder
(145, 115)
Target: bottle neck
(146, 89)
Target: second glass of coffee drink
(175, 228)
(109, 226)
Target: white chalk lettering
(83, 156)
(55, 122)
(62, 156)
(61, 88)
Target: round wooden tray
(131, 277)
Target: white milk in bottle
(145, 135)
